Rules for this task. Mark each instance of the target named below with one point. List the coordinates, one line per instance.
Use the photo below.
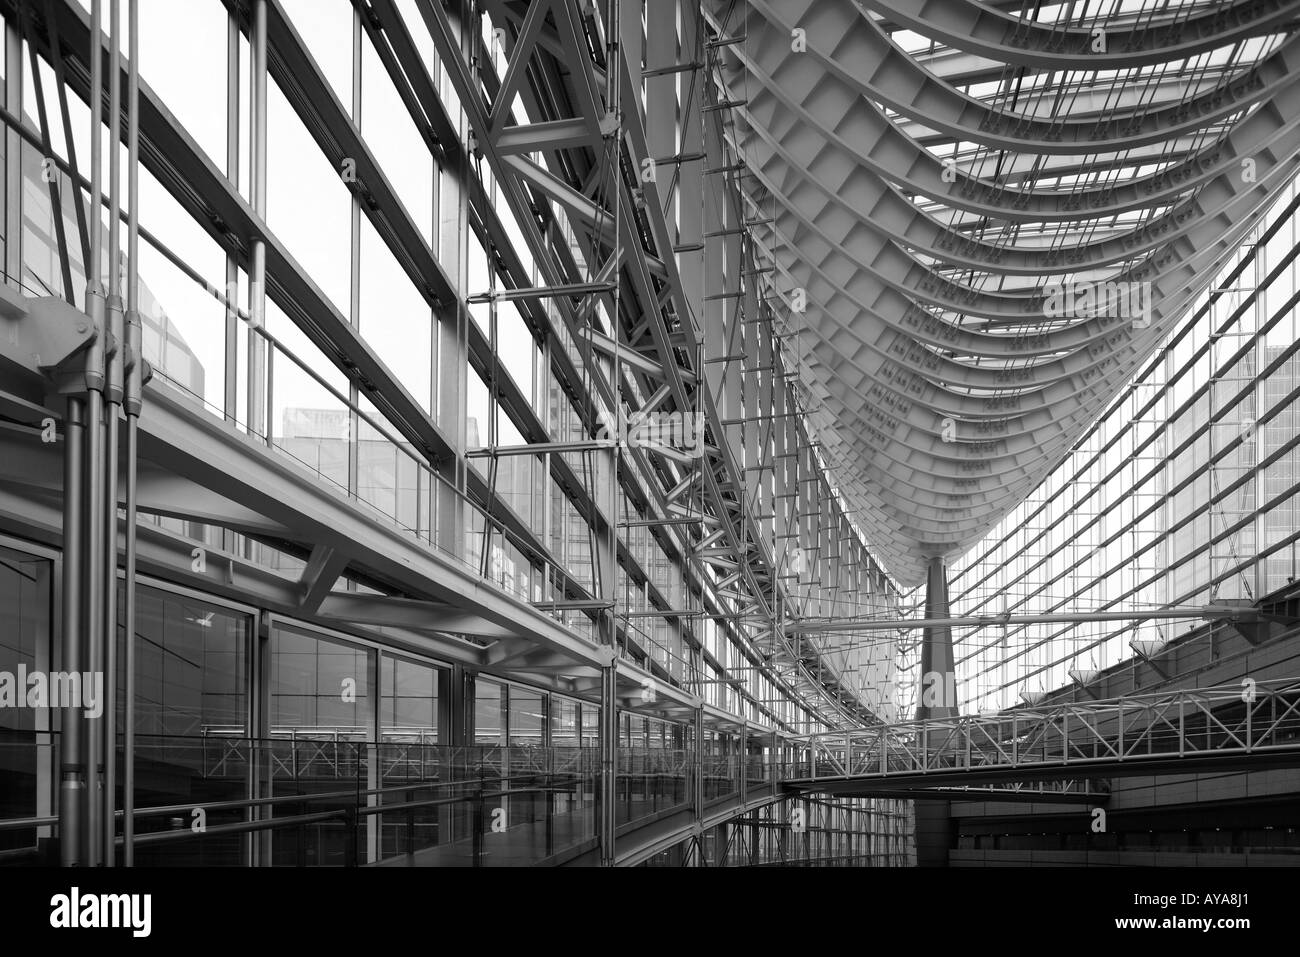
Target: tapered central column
(938, 699)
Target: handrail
(1187, 725)
(1026, 715)
(240, 827)
(14, 824)
(164, 810)
(405, 806)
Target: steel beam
(849, 625)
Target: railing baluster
(1250, 737)
(1119, 756)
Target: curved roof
(982, 225)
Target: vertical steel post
(744, 761)
(697, 797)
(131, 399)
(258, 400)
(230, 393)
(451, 199)
(608, 761)
(113, 388)
(354, 271)
(933, 818)
(95, 374)
(72, 784)
(774, 771)
(72, 807)
(13, 152)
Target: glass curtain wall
(192, 742)
(200, 342)
(28, 735)
(198, 338)
(1183, 493)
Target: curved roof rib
(843, 40)
(947, 362)
(1142, 41)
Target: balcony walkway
(1236, 727)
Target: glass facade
(191, 721)
(391, 360)
(28, 746)
(1182, 494)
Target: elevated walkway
(1245, 726)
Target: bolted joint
(96, 354)
(44, 339)
(113, 350)
(137, 371)
(256, 289)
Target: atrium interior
(665, 433)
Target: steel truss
(664, 211)
(729, 519)
(1230, 727)
(657, 343)
(927, 282)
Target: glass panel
(320, 723)
(182, 329)
(308, 422)
(27, 759)
(318, 684)
(189, 77)
(489, 712)
(308, 207)
(326, 31)
(395, 142)
(395, 319)
(191, 721)
(190, 666)
(527, 717)
(42, 269)
(408, 704)
(590, 725)
(564, 723)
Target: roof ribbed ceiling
(937, 174)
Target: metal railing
(422, 796)
(1194, 725)
(317, 796)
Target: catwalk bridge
(1235, 727)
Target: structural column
(114, 392)
(938, 699)
(744, 762)
(258, 399)
(697, 796)
(451, 199)
(92, 559)
(607, 823)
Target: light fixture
(1083, 676)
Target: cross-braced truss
(938, 180)
(1233, 726)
